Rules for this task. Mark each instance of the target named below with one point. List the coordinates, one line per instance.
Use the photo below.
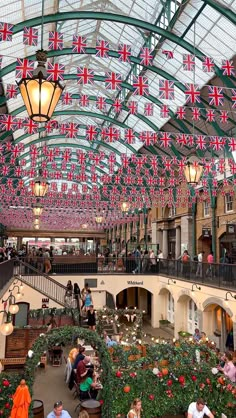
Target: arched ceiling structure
(92, 177)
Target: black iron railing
(6, 272)
(41, 282)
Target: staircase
(41, 282)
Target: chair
(77, 392)
(56, 356)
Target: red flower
(208, 381)
(194, 378)
(151, 397)
(6, 383)
(101, 401)
(7, 405)
(169, 382)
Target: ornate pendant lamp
(40, 96)
(125, 206)
(193, 171)
(37, 209)
(40, 186)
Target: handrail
(41, 274)
(6, 272)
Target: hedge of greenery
(167, 378)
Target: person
(73, 354)
(77, 295)
(146, 260)
(230, 340)
(52, 323)
(47, 263)
(83, 414)
(69, 290)
(196, 335)
(58, 411)
(21, 401)
(153, 262)
(137, 259)
(88, 387)
(106, 338)
(88, 300)
(229, 368)
(136, 407)
(186, 263)
(82, 370)
(91, 318)
(80, 356)
(83, 294)
(199, 409)
(210, 261)
(200, 264)
(203, 338)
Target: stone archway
(135, 296)
(188, 316)
(217, 321)
(167, 305)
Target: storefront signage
(45, 303)
(206, 232)
(134, 283)
(230, 229)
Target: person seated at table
(229, 368)
(73, 354)
(80, 356)
(106, 337)
(82, 370)
(89, 387)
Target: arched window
(171, 308)
(193, 321)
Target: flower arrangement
(132, 317)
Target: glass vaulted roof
(170, 30)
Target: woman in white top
(136, 407)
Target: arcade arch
(135, 297)
(217, 321)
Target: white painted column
(154, 233)
(178, 242)
(156, 311)
(165, 243)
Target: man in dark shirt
(80, 356)
(82, 370)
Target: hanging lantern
(6, 328)
(40, 95)
(40, 185)
(84, 226)
(99, 219)
(13, 309)
(36, 222)
(193, 171)
(36, 226)
(125, 206)
(37, 209)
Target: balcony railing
(217, 275)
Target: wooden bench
(17, 361)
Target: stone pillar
(156, 311)
(19, 243)
(154, 233)
(165, 243)
(178, 242)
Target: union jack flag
(233, 98)
(55, 41)
(30, 127)
(6, 31)
(85, 76)
(210, 115)
(91, 132)
(180, 113)
(33, 152)
(55, 71)
(192, 93)
(79, 44)
(129, 136)
(182, 139)
(67, 98)
(83, 100)
(7, 122)
(232, 144)
(217, 143)
(224, 116)
(188, 62)
(124, 52)
(101, 103)
(166, 89)
(169, 54)
(228, 67)
(133, 107)
(51, 125)
(146, 56)
(147, 137)
(200, 142)
(216, 97)
(30, 36)
(102, 48)
(165, 140)
(140, 84)
(196, 113)
(148, 109)
(5, 170)
(67, 154)
(16, 151)
(117, 105)
(12, 91)
(164, 111)
(71, 130)
(18, 171)
(113, 81)
(208, 64)
(24, 68)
